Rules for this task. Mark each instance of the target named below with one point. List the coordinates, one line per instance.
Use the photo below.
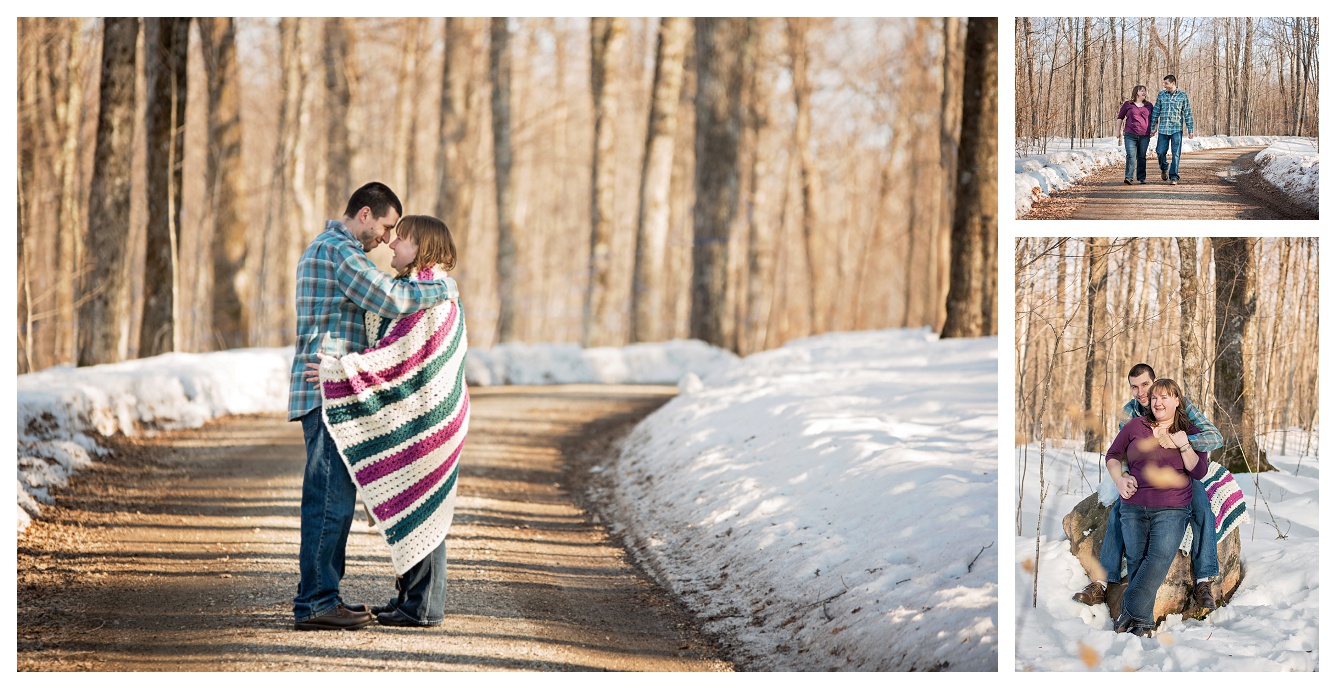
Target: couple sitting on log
(1158, 464)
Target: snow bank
(1039, 175)
(661, 363)
(62, 411)
(831, 504)
(1270, 624)
(1290, 165)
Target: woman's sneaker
(1127, 181)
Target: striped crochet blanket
(1226, 504)
(398, 413)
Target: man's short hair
(377, 197)
(1170, 78)
(1140, 369)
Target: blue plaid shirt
(336, 285)
(1208, 437)
(1173, 113)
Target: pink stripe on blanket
(402, 501)
(356, 384)
(384, 467)
(1224, 509)
(399, 330)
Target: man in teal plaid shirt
(1171, 117)
(336, 285)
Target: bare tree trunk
(405, 123)
(105, 312)
(975, 218)
(454, 194)
(338, 99)
(165, 43)
(949, 143)
(225, 182)
(1235, 303)
(819, 303)
(1097, 296)
(607, 36)
(719, 80)
(655, 181)
(499, 72)
(1194, 372)
(69, 224)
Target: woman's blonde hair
(435, 246)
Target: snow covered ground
(1271, 623)
(62, 411)
(1291, 165)
(1039, 175)
(830, 504)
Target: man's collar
(338, 226)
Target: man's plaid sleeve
(373, 290)
(1208, 436)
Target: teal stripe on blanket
(396, 533)
(438, 414)
(1216, 475)
(390, 395)
(1230, 519)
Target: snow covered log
(1085, 526)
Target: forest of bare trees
(743, 181)
(1233, 320)
(1244, 75)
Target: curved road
(181, 554)
(1214, 184)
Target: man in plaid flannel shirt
(1171, 116)
(1205, 563)
(336, 285)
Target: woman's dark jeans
(1136, 146)
(1151, 536)
(422, 589)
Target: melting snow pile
(1291, 166)
(831, 504)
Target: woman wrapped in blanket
(398, 413)
(1156, 498)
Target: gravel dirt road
(1214, 184)
(181, 554)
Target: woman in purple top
(1156, 497)
(1136, 114)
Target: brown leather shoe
(338, 618)
(1092, 594)
(1203, 596)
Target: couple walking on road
(378, 386)
(1169, 116)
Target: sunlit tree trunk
(1235, 305)
(499, 71)
(225, 183)
(655, 181)
(719, 82)
(808, 182)
(602, 308)
(975, 219)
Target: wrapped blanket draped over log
(399, 413)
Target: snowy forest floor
(1214, 184)
(181, 554)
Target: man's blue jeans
(329, 500)
(1205, 560)
(422, 588)
(1162, 143)
(1151, 535)
(1135, 145)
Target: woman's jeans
(1151, 536)
(1205, 559)
(422, 589)
(1136, 145)
(1162, 144)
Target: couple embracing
(1158, 463)
(378, 386)
(1169, 116)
